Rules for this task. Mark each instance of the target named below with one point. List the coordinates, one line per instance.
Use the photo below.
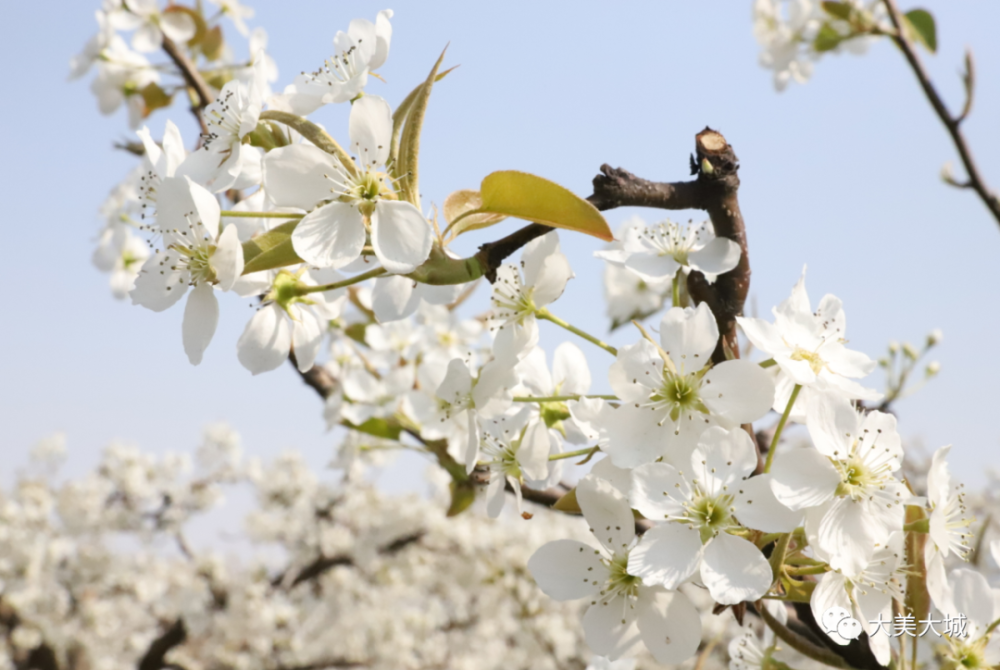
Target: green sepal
(271, 250)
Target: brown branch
(194, 80)
(951, 123)
(154, 657)
(324, 563)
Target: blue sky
(840, 174)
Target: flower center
(815, 362)
(502, 455)
(678, 395)
(620, 583)
(711, 515)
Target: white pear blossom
(225, 159)
(516, 299)
(359, 51)
(513, 453)
(949, 522)
(808, 347)
(968, 593)
(671, 394)
(627, 295)
(120, 253)
(464, 402)
(866, 594)
(237, 12)
(782, 28)
(150, 24)
(847, 483)
(287, 322)
(80, 64)
(660, 251)
(121, 75)
(702, 508)
(622, 608)
(334, 233)
(395, 297)
(195, 254)
(570, 376)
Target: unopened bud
(883, 362)
(893, 346)
(909, 351)
(934, 337)
(932, 369)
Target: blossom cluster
(687, 504)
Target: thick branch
(952, 124)
(324, 563)
(154, 657)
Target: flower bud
(893, 346)
(934, 337)
(909, 351)
(932, 369)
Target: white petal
(803, 478)
(636, 372)
(830, 593)
(177, 26)
(401, 236)
(493, 392)
(495, 494)
(723, 458)
(670, 626)
(718, 256)
(147, 38)
(734, 570)
(833, 424)
(666, 555)
(457, 383)
(201, 316)
(371, 130)
(634, 437)
(567, 569)
(849, 533)
(383, 36)
(659, 491)
(689, 336)
(607, 512)
(331, 236)
(651, 266)
(266, 340)
(157, 286)
(570, 370)
(293, 176)
(620, 478)
(758, 508)
(307, 336)
(228, 258)
(739, 391)
(533, 454)
(394, 298)
(609, 627)
(174, 152)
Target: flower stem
(260, 215)
(549, 316)
(810, 570)
(781, 427)
(797, 642)
(572, 454)
(374, 272)
(560, 398)
(676, 289)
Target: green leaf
(532, 198)
(462, 204)
(378, 428)
(463, 494)
(838, 10)
(271, 250)
(153, 98)
(827, 39)
(568, 503)
(922, 28)
(213, 42)
(314, 134)
(409, 145)
(399, 118)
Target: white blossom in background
(622, 608)
(950, 525)
(672, 394)
(151, 25)
(970, 594)
(516, 297)
(360, 205)
(121, 75)
(512, 452)
(236, 12)
(781, 28)
(358, 52)
(120, 253)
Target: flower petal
(734, 570)
(718, 256)
(670, 626)
(401, 236)
(201, 316)
(607, 512)
(723, 458)
(293, 176)
(228, 258)
(756, 507)
(689, 336)
(158, 286)
(394, 298)
(567, 569)
(307, 336)
(331, 236)
(659, 491)
(266, 340)
(803, 478)
(609, 627)
(738, 391)
(371, 130)
(666, 556)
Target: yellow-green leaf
(153, 98)
(532, 198)
(200, 27)
(568, 503)
(211, 45)
(409, 146)
(399, 118)
(463, 494)
(922, 28)
(465, 202)
(271, 250)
